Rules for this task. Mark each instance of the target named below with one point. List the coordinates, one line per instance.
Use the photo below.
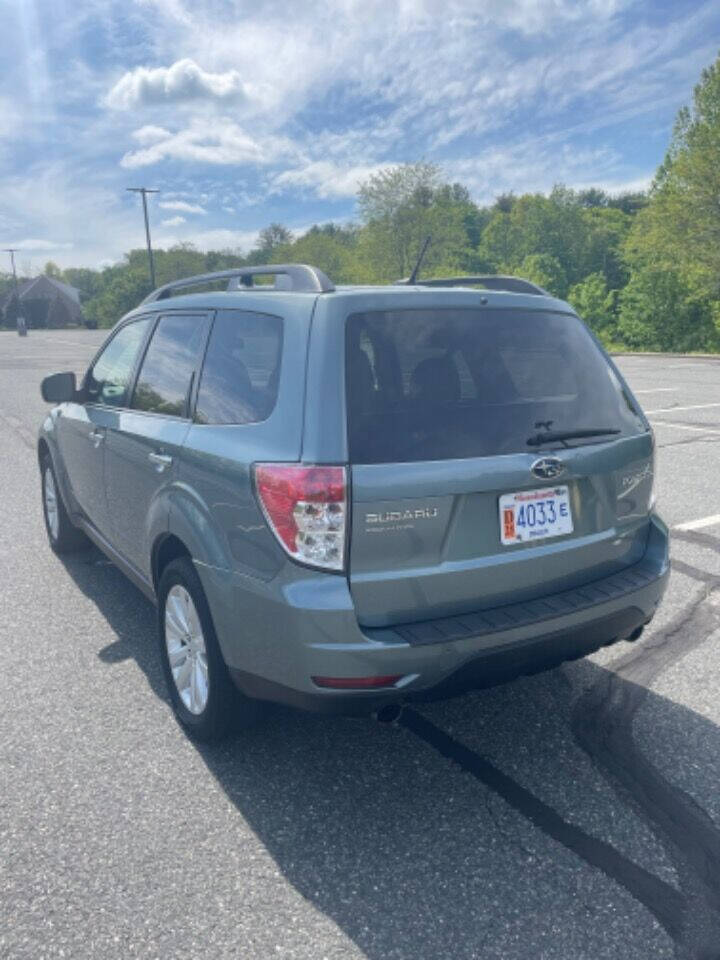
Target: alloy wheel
(186, 649)
(51, 504)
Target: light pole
(21, 329)
(144, 191)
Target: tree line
(643, 269)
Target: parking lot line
(686, 426)
(698, 524)
(52, 340)
(658, 390)
(695, 406)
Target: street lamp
(144, 191)
(21, 327)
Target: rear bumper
(438, 658)
(487, 669)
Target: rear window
(445, 384)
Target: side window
(108, 380)
(171, 359)
(240, 378)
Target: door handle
(97, 437)
(161, 460)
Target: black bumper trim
(498, 619)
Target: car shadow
(379, 827)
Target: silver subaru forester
(345, 498)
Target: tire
(204, 698)
(62, 533)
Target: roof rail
(509, 284)
(300, 278)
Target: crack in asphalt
(699, 539)
(663, 900)
(601, 722)
(23, 434)
(690, 570)
(686, 442)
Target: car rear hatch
(466, 495)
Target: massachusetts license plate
(535, 515)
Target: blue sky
(242, 113)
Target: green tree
(181, 260)
(607, 232)
(592, 198)
(629, 202)
(87, 281)
(504, 203)
(501, 243)
(545, 270)
(123, 287)
(402, 205)
(322, 249)
(673, 248)
(222, 260)
(536, 224)
(680, 227)
(273, 237)
(595, 304)
(660, 310)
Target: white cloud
(91, 220)
(328, 180)
(419, 57)
(217, 239)
(217, 141)
(173, 221)
(181, 82)
(182, 205)
(535, 165)
(150, 134)
(425, 74)
(40, 246)
(615, 186)
(281, 103)
(11, 119)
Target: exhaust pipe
(389, 714)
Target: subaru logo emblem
(548, 467)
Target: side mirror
(58, 388)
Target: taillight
(652, 499)
(306, 507)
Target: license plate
(535, 515)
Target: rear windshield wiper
(538, 439)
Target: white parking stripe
(695, 406)
(657, 390)
(698, 524)
(48, 341)
(685, 426)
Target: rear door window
(241, 373)
(167, 371)
(445, 384)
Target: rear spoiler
(492, 282)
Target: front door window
(109, 379)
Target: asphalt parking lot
(571, 815)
